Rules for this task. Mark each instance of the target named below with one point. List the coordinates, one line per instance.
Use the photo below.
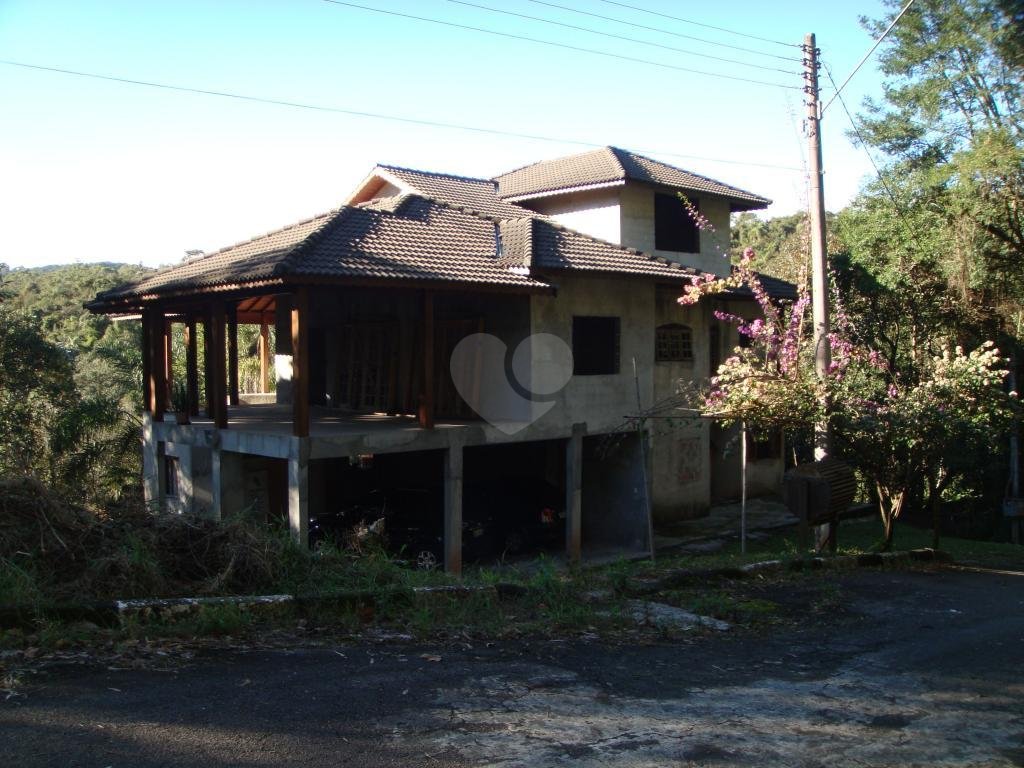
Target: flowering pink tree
(896, 431)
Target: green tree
(951, 123)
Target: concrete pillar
(574, 493)
(150, 463)
(453, 509)
(228, 484)
(298, 495)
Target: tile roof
(400, 238)
(480, 195)
(450, 229)
(611, 165)
(553, 246)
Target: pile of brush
(70, 551)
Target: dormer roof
(611, 166)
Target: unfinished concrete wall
(680, 449)
(637, 227)
(600, 401)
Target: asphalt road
(921, 669)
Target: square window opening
(674, 227)
(595, 346)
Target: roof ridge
(605, 148)
(440, 174)
(688, 171)
(614, 152)
(277, 231)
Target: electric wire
(699, 23)
(372, 115)
(866, 56)
(622, 37)
(553, 44)
(663, 31)
(897, 206)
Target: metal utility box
(818, 493)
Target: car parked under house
(370, 301)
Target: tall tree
(952, 122)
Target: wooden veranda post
(147, 365)
(264, 355)
(426, 409)
(192, 366)
(233, 354)
(169, 362)
(157, 363)
(208, 364)
(218, 342)
(300, 362)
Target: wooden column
(218, 374)
(157, 361)
(426, 410)
(300, 362)
(233, 355)
(147, 364)
(192, 366)
(208, 365)
(264, 355)
(169, 361)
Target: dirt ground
(904, 668)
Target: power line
(866, 56)
(622, 37)
(878, 171)
(576, 48)
(663, 31)
(699, 23)
(372, 115)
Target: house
(422, 337)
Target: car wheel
(426, 560)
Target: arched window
(673, 343)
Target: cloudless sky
(102, 171)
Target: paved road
(924, 669)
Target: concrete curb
(842, 562)
(114, 613)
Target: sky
(92, 170)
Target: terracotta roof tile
(480, 195)
(610, 165)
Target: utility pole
(816, 202)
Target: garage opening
(393, 500)
(513, 501)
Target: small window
(171, 476)
(674, 227)
(595, 346)
(673, 343)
